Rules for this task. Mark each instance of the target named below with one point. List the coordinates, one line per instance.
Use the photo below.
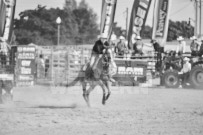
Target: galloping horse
(100, 77)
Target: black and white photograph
(101, 67)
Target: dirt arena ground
(129, 111)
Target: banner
(107, 16)
(130, 71)
(138, 18)
(2, 17)
(161, 21)
(26, 66)
(10, 11)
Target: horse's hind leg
(87, 93)
(84, 88)
(104, 92)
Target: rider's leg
(92, 59)
(95, 63)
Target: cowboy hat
(138, 38)
(180, 38)
(186, 59)
(193, 38)
(121, 38)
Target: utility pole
(126, 23)
(200, 23)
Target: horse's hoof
(103, 103)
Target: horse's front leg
(107, 83)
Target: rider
(97, 51)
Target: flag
(138, 18)
(161, 21)
(107, 17)
(10, 11)
(2, 17)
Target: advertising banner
(138, 18)
(128, 71)
(2, 17)
(10, 11)
(107, 16)
(161, 21)
(26, 65)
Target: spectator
(121, 47)
(41, 67)
(181, 46)
(138, 46)
(201, 48)
(159, 50)
(194, 46)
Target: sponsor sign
(161, 20)
(128, 70)
(138, 18)
(26, 67)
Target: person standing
(201, 48)
(186, 70)
(120, 48)
(181, 46)
(159, 50)
(138, 46)
(194, 46)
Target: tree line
(38, 26)
(78, 26)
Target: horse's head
(106, 59)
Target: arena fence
(63, 63)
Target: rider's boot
(111, 79)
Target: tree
(39, 25)
(179, 29)
(70, 5)
(87, 25)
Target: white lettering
(25, 63)
(141, 13)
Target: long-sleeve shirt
(186, 67)
(98, 47)
(194, 46)
(181, 47)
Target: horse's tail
(73, 83)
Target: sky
(180, 9)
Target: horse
(100, 77)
